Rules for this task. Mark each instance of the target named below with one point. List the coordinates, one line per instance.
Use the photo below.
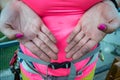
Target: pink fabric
(60, 16)
(33, 76)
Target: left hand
(86, 34)
(17, 18)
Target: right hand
(86, 33)
(17, 18)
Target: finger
(10, 32)
(45, 30)
(74, 33)
(77, 47)
(48, 42)
(85, 49)
(110, 27)
(77, 38)
(113, 25)
(41, 45)
(36, 51)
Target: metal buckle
(56, 65)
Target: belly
(61, 27)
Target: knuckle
(51, 54)
(76, 48)
(34, 50)
(38, 54)
(85, 50)
(55, 49)
(81, 35)
(73, 33)
(48, 41)
(89, 34)
(44, 57)
(69, 55)
(43, 46)
(69, 46)
(46, 50)
(41, 43)
(49, 33)
(80, 43)
(45, 38)
(72, 44)
(76, 39)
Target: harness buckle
(56, 65)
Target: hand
(86, 34)
(17, 18)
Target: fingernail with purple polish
(19, 35)
(102, 27)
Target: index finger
(74, 33)
(46, 31)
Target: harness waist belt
(56, 65)
(28, 59)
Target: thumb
(109, 27)
(10, 32)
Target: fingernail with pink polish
(102, 27)
(19, 35)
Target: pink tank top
(60, 16)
